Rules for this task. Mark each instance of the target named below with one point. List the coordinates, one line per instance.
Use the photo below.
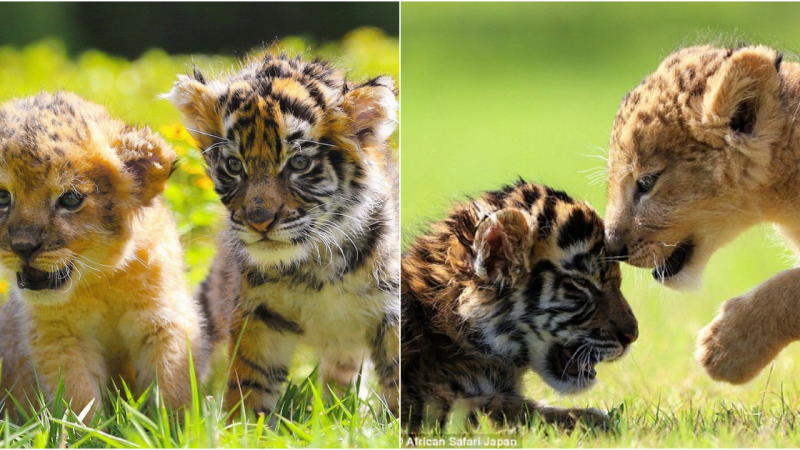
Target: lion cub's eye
(299, 163)
(234, 165)
(645, 184)
(70, 200)
(5, 198)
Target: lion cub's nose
(261, 219)
(25, 249)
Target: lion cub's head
(690, 149)
(72, 180)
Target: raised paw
(736, 345)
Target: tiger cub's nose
(261, 219)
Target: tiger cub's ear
(148, 159)
(372, 111)
(502, 245)
(197, 101)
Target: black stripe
(273, 374)
(547, 218)
(256, 278)
(531, 194)
(295, 108)
(366, 245)
(249, 384)
(203, 300)
(276, 321)
(576, 228)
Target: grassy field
(492, 91)
(130, 89)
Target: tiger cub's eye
(299, 163)
(234, 165)
(5, 198)
(70, 200)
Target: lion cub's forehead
(50, 140)
(655, 115)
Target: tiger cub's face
(546, 297)
(292, 149)
(72, 179)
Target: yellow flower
(204, 183)
(194, 170)
(4, 287)
(177, 132)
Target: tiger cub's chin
(276, 253)
(513, 281)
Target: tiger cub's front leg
(339, 370)
(386, 357)
(266, 345)
(514, 408)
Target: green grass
(307, 415)
(492, 91)
(130, 89)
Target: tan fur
(125, 311)
(717, 129)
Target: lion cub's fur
(702, 149)
(124, 311)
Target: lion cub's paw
(733, 347)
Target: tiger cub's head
(296, 151)
(72, 181)
(542, 294)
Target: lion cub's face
(689, 147)
(71, 181)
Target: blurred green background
(496, 90)
(128, 29)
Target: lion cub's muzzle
(37, 280)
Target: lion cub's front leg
(752, 329)
(61, 353)
(159, 343)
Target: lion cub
(93, 254)
(705, 147)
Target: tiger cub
(93, 255)
(299, 157)
(512, 281)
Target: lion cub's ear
(198, 102)
(742, 107)
(148, 159)
(371, 109)
(502, 245)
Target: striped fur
(512, 281)
(299, 157)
